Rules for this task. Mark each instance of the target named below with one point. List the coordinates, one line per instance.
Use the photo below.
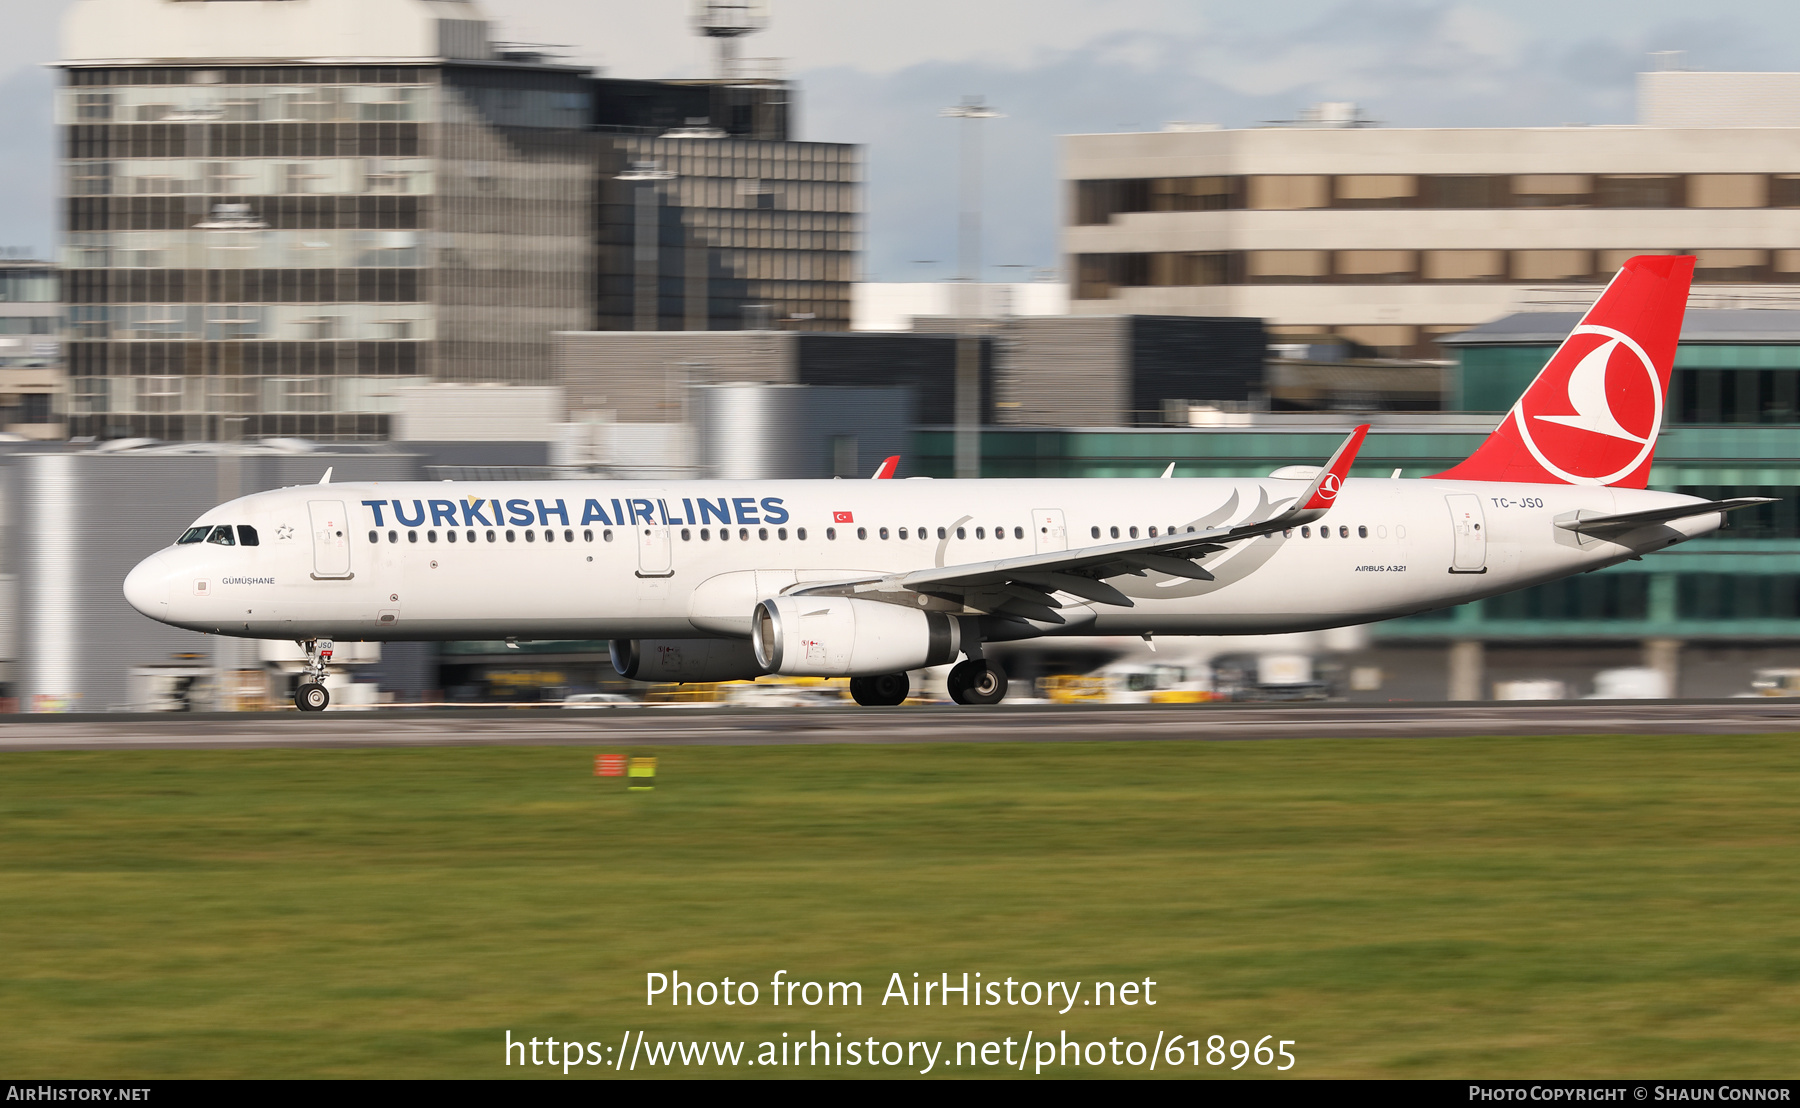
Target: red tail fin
(1592, 415)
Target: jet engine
(683, 660)
(838, 636)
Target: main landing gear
(883, 691)
(976, 681)
(310, 694)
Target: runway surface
(924, 724)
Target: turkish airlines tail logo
(1592, 415)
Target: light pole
(971, 111)
(643, 176)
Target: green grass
(1497, 907)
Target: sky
(878, 73)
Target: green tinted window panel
(1732, 356)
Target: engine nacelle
(839, 636)
(684, 660)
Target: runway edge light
(643, 775)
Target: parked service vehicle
(1775, 682)
(599, 700)
(1268, 677)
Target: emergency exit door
(1469, 552)
(655, 556)
(1047, 527)
(331, 539)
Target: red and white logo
(841, 517)
(1592, 416)
(1328, 488)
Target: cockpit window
(222, 535)
(246, 535)
(192, 534)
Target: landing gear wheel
(977, 682)
(309, 697)
(882, 691)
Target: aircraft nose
(147, 587)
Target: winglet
(885, 471)
(326, 480)
(1324, 489)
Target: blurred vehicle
(1268, 677)
(783, 694)
(599, 700)
(1536, 688)
(1775, 682)
(1133, 683)
(1630, 683)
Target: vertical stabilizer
(1592, 415)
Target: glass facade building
(272, 250)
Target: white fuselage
(564, 565)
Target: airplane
(730, 580)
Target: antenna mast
(727, 21)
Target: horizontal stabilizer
(1625, 521)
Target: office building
(277, 214)
(32, 380)
(1392, 238)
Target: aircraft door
(331, 538)
(1049, 529)
(654, 547)
(1470, 552)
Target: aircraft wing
(1625, 521)
(1023, 587)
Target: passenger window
(686, 535)
(981, 532)
(1306, 532)
(961, 534)
(862, 532)
(549, 536)
(247, 535)
(449, 536)
(1115, 532)
(192, 534)
(925, 534)
(831, 534)
(512, 536)
(1343, 532)
(1018, 532)
(884, 533)
(490, 536)
(943, 534)
(531, 536)
(431, 535)
(1152, 532)
(1096, 532)
(412, 536)
(471, 535)
(762, 533)
(222, 536)
(374, 536)
(705, 535)
(606, 534)
(587, 535)
(1362, 532)
(569, 536)
(743, 534)
(781, 533)
(1134, 532)
(724, 534)
(902, 532)
(800, 534)
(1324, 532)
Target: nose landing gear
(310, 694)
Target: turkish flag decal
(841, 517)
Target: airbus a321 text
(722, 580)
